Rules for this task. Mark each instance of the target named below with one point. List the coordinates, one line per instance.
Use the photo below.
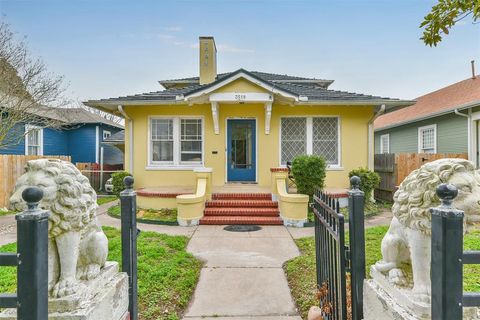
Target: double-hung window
(33, 140)
(176, 141)
(310, 135)
(427, 139)
(385, 143)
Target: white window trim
(106, 132)
(176, 164)
(28, 128)
(419, 133)
(309, 136)
(387, 136)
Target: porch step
(241, 220)
(241, 208)
(254, 212)
(241, 204)
(242, 196)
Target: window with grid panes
(385, 143)
(310, 135)
(33, 140)
(176, 141)
(427, 139)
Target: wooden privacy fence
(11, 168)
(393, 168)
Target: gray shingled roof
(299, 86)
(117, 137)
(72, 115)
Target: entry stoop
(241, 208)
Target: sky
(111, 48)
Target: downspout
(469, 133)
(130, 137)
(371, 139)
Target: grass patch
(165, 215)
(103, 200)
(167, 274)
(301, 271)
(6, 212)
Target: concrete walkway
(8, 229)
(242, 277)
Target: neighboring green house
(443, 121)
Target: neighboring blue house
(82, 137)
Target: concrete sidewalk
(242, 277)
(8, 229)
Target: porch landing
(229, 188)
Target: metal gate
(340, 268)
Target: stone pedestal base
(382, 300)
(104, 298)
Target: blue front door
(241, 145)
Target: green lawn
(166, 215)
(103, 200)
(6, 212)
(301, 273)
(167, 274)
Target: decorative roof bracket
(268, 116)
(216, 127)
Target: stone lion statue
(78, 247)
(408, 239)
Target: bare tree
(29, 93)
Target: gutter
(471, 156)
(347, 103)
(371, 139)
(130, 137)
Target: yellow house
(230, 135)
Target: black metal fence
(128, 205)
(340, 268)
(31, 260)
(448, 258)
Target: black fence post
(356, 226)
(128, 202)
(32, 250)
(447, 252)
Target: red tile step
(242, 196)
(241, 208)
(242, 203)
(256, 212)
(241, 220)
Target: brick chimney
(208, 60)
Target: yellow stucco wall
(353, 135)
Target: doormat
(242, 228)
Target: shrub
(117, 181)
(309, 173)
(369, 180)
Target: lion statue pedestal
(400, 285)
(83, 285)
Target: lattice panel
(325, 138)
(294, 136)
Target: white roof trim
(247, 77)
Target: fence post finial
(128, 181)
(446, 193)
(32, 196)
(355, 182)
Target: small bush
(309, 173)
(369, 180)
(117, 181)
